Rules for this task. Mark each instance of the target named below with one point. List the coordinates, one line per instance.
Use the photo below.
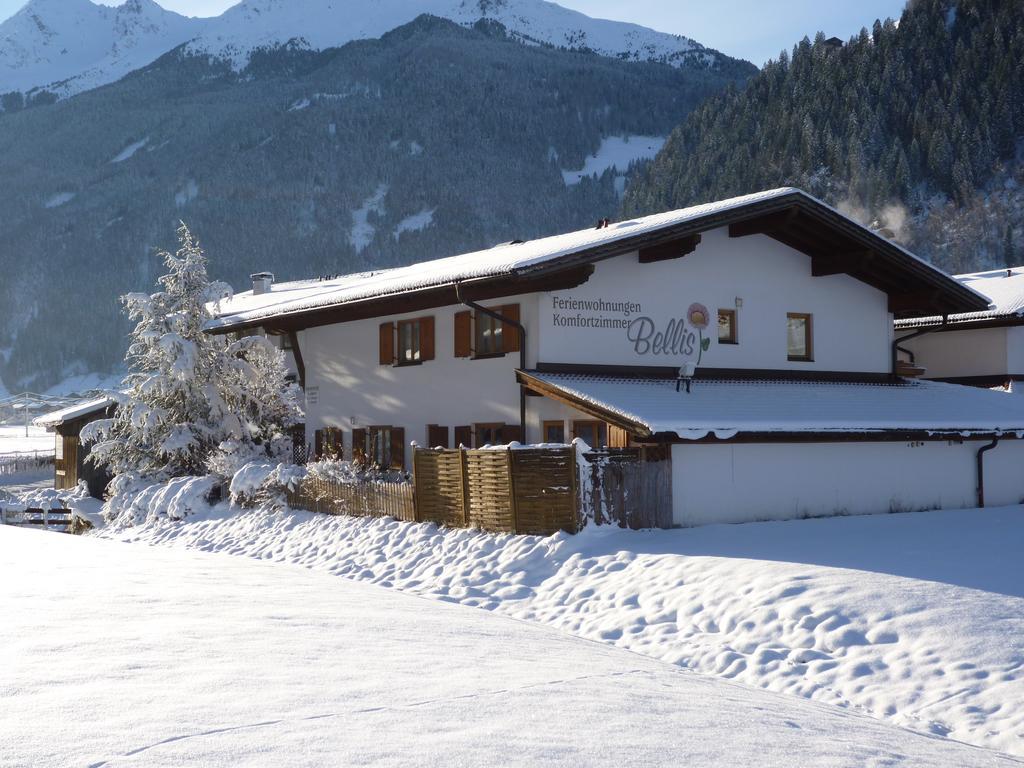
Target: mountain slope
(69, 46)
(915, 126)
(73, 45)
(431, 140)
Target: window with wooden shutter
(463, 436)
(487, 434)
(437, 436)
(617, 437)
(512, 433)
(397, 448)
(318, 443)
(463, 334)
(427, 338)
(358, 446)
(387, 343)
(333, 443)
(509, 333)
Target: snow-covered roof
(77, 411)
(522, 258)
(1003, 287)
(725, 408)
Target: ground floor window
(593, 433)
(554, 431)
(488, 434)
(379, 446)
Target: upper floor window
(408, 342)
(727, 327)
(488, 335)
(478, 334)
(799, 337)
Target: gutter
(896, 348)
(522, 348)
(980, 459)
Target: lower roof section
(770, 409)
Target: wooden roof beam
(763, 225)
(673, 249)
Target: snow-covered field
(118, 655)
(917, 619)
(13, 440)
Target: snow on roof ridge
(503, 259)
(55, 418)
(486, 262)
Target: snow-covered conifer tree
(189, 394)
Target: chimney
(262, 282)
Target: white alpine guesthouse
(750, 341)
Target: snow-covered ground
(121, 655)
(917, 619)
(14, 440)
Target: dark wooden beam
(673, 249)
(762, 225)
(823, 266)
(909, 302)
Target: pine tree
(189, 395)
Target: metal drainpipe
(522, 349)
(980, 458)
(896, 342)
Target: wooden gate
(630, 487)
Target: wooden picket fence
(15, 464)
(367, 498)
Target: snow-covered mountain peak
(325, 23)
(68, 46)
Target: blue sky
(751, 29)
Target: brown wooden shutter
(387, 343)
(359, 446)
(617, 437)
(464, 436)
(318, 443)
(509, 333)
(427, 338)
(463, 334)
(397, 448)
(512, 433)
(437, 436)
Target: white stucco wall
(743, 483)
(852, 324)
(981, 352)
(348, 389)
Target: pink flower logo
(697, 315)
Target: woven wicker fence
(529, 490)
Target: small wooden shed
(70, 465)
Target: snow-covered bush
(135, 502)
(193, 403)
(265, 483)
